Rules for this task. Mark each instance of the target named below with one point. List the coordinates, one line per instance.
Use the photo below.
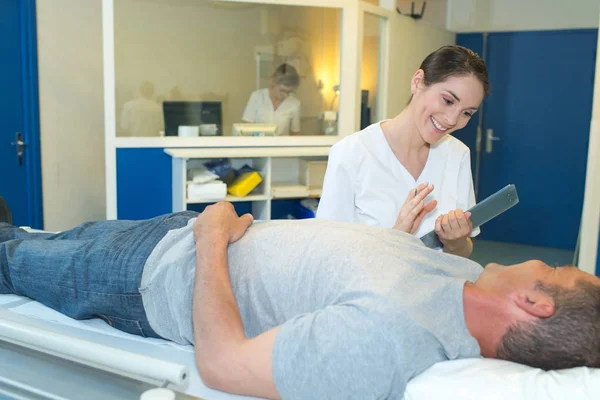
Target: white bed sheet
(23, 310)
(481, 379)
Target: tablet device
(482, 212)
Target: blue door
(539, 110)
(20, 182)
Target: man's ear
(417, 81)
(536, 303)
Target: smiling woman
(409, 173)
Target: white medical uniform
(260, 110)
(365, 183)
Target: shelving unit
(278, 167)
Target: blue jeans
(91, 271)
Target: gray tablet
(482, 212)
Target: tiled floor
(508, 253)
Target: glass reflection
(142, 116)
(370, 72)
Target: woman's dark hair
(449, 61)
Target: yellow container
(244, 184)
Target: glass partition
(372, 70)
(212, 68)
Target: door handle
(20, 147)
(490, 139)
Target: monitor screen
(192, 113)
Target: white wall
(71, 111)
(435, 10)
(411, 41)
(521, 15)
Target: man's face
(524, 276)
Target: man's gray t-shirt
(362, 309)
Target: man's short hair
(569, 338)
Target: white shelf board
(292, 196)
(248, 152)
(289, 191)
(232, 199)
(225, 141)
(293, 191)
(315, 193)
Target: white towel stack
(205, 185)
(215, 190)
(202, 175)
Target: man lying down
(308, 309)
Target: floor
(485, 251)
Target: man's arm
(227, 360)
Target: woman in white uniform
(409, 173)
(277, 105)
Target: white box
(312, 173)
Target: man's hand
(454, 229)
(414, 209)
(220, 222)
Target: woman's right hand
(414, 209)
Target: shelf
(248, 152)
(315, 193)
(226, 141)
(291, 181)
(232, 199)
(291, 191)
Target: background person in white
(142, 116)
(277, 105)
(408, 172)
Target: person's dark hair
(449, 61)
(286, 75)
(569, 338)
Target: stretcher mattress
(480, 379)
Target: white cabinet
(281, 169)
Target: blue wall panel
(468, 134)
(540, 107)
(144, 183)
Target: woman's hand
(454, 229)
(414, 209)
